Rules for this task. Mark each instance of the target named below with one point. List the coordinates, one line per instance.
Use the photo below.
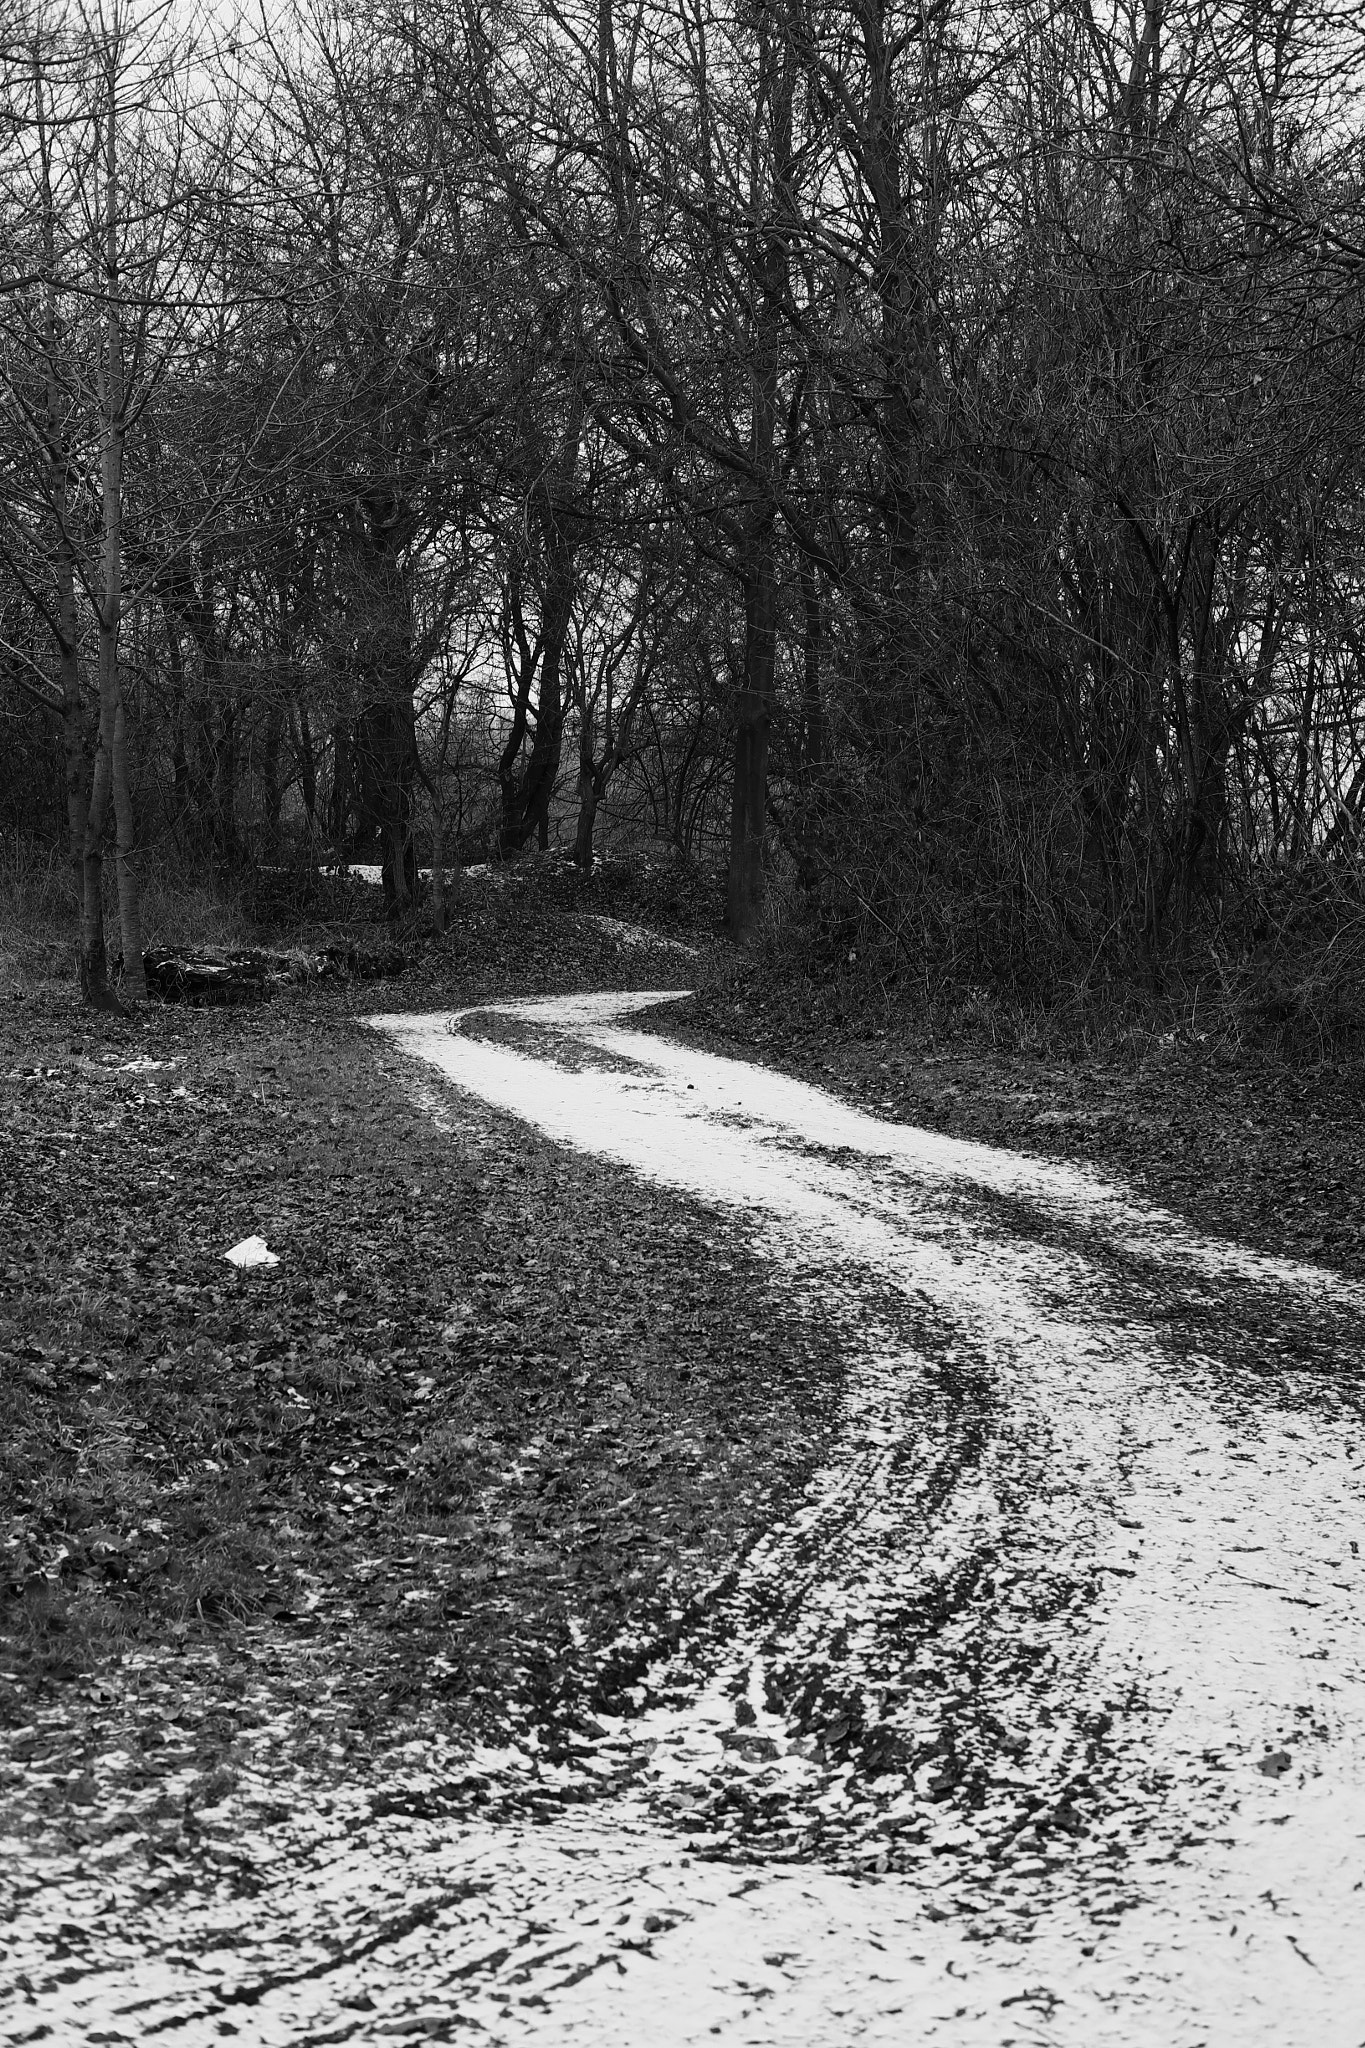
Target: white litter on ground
(1083, 1560)
(252, 1251)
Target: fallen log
(177, 974)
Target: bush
(1302, 975)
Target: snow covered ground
(1041, 1719)
(636, 935)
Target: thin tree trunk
(225, 781)
(308, 769)
(340, 793)
(813, 718)
(129, 903)
(94, 961)
(1300, 829)
(749, 808)
(438, 870)
(74, 766)
(180, 765)
(396, 870)
(516, 646)
(587, 818)
(753, 706)
(527, 799)
(394, 756)
(542, 770)
(113, 719)
(274, 790)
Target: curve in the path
(1041, 1718)
(1082, 1558)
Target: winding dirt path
(1041, 1719)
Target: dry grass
(38, 917)
(181, 911)
(40, 914)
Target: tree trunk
(587, 817)
(94, 961)
(542, 770)
(213, 766)
(74, 765)
(274, 788)
(302, 740)
(438, 871)
(111, 768)
(399, 870)
(339, 795)
(769, 257)
(384, 755)
(753, 706)
(431, 785)
(180, 762)
(386, 740)
(527, 797)
(902, 246)
(225, 780)
(812, 707)
(129, 904)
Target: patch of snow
(373, 872)
(627, 934)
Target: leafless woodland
(911, 457)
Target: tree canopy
(911, 454)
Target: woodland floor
(492, 1399)
(495, 1403)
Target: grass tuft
(40, 915)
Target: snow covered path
(1041, 1719)
(1146, 1570)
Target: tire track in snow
(1162, 1692)
(1057, 1593)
